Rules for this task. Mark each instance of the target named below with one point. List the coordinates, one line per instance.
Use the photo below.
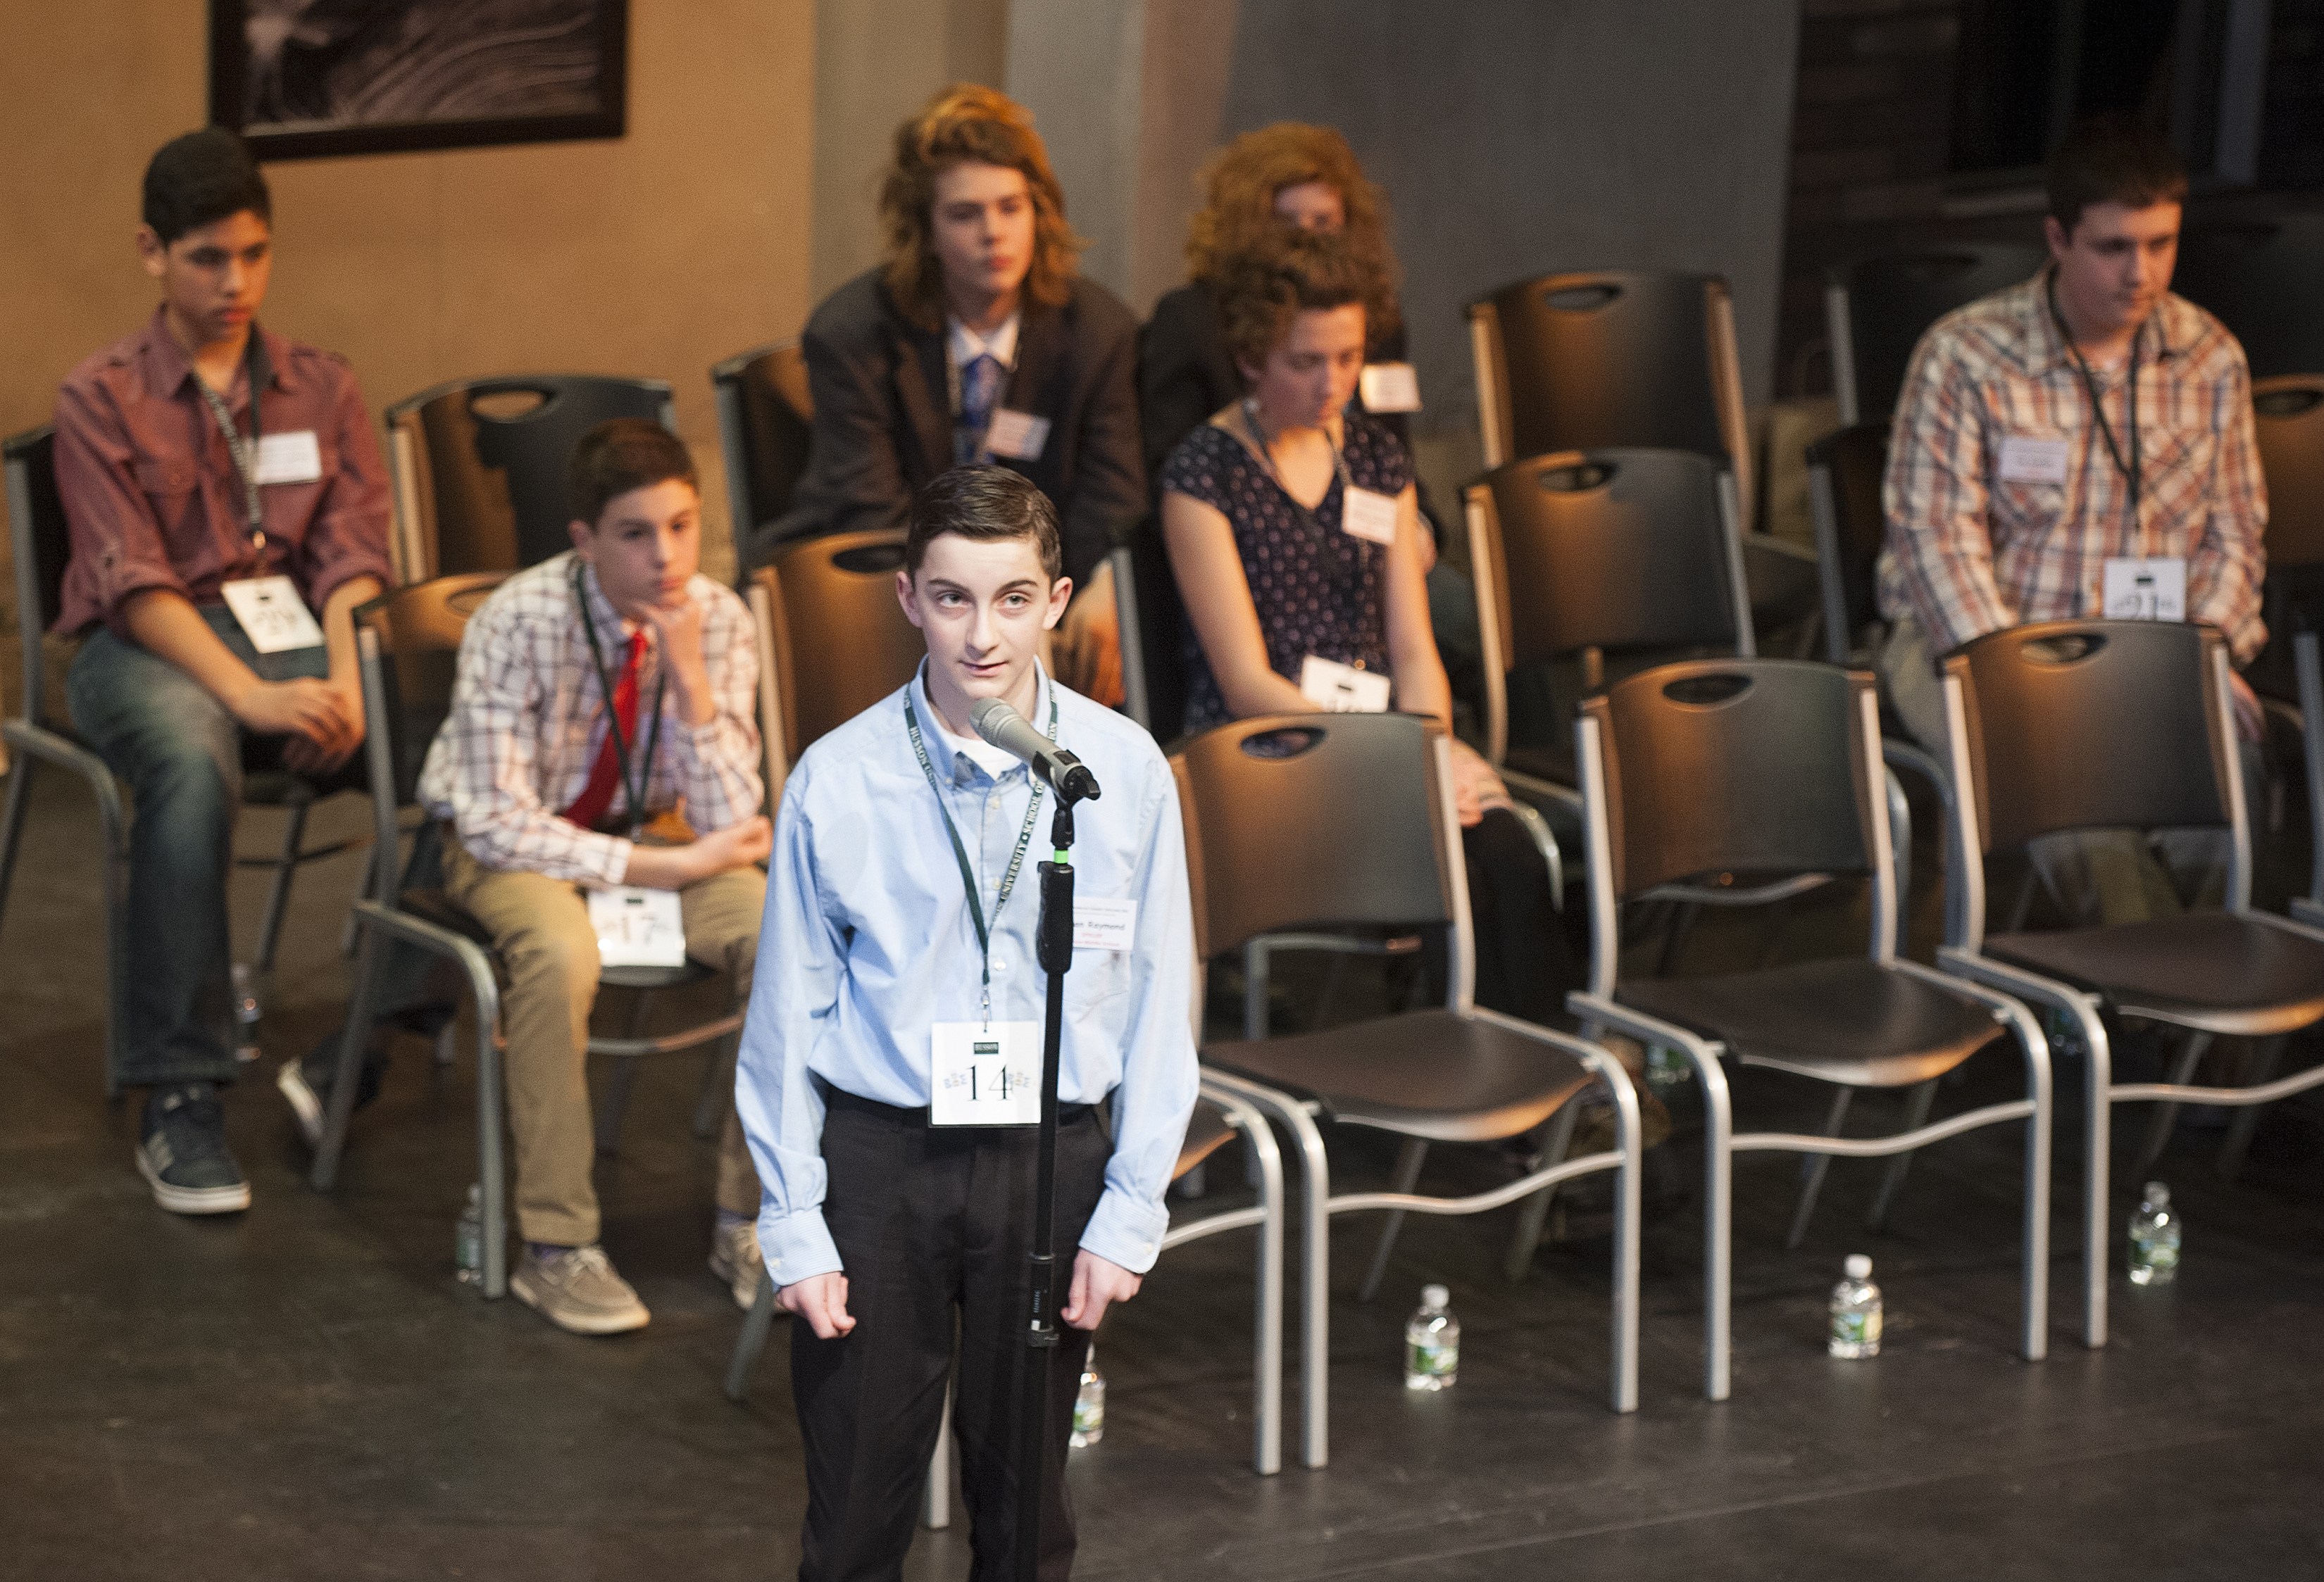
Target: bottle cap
(2158, 1195)
(1858, 1266)
(1434, 1296)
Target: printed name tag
(1103, 925)
(1343, 689)
(1019, 436)
(2146, 590)
(1367, 515)
(2033, 461)
(272, 615)
(985, 1075)
(289, 458)
(1390, 386)
(637, 927)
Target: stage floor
(304, 1391)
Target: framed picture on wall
(312, 78)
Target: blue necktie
(980, 390)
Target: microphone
(1008, 731)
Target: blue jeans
(183, 756)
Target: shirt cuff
(796, 1246)
(1126, 1231)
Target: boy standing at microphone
(897, 980)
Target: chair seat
(1849, 1020)
(1551, 762)
(1435, 1074)
(2213, 971)
(437, 907)
(1207, 1132)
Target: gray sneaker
(182, 1155)
(735, 1258)
(578, 1291)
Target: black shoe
(182, 1155)
(306, 1083)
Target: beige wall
(654, 254)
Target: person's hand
(2251, 719)
(678, 634)
(1475, 786)
(735, 846)
(302, 754)
(1097, 1285)
(822, 1300)
(314, 713)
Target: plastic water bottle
(246, 1013)
(1089, 1404)
(2155, 1238)
(1432, 1343)
(1855, 1311)
(468, 1239)
(1667, 1069)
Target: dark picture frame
(324, 78)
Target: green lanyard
(967, 874)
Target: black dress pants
(934, 1226)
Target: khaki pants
(2094, 877)
(540, 929)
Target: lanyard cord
(245, 452)
(960, 852)
(2131, 469)
(634, 793)
(1336, 568)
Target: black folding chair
(766, 423)
(2259, 277)
(1772, 767)
(2120, 724)
(1876, 311)
(479, 464)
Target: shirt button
(999, 968)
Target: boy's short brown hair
(2111, 158)
(620, 455)
(990, 504)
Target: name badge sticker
(1019, 436)
(2025, 460)
(2138, 589)
(272, 615)
(637, 927)
(1101, 924)
(289, 458)
(1343, 689)
(1389, 387)
(1366, 514)
(983, 1075)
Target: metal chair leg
(1813, 1167)
(12, 823)
(936, 1503)
(1533, 1212)
(278, 897)
(752, 1341)
(717, 1087)
(618, 1081)
(1408, 1160)
(1917, 1116)
(2265, 1056)
(2166, 1114)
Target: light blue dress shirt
(868, 942)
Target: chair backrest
(2288, 416)
(766, 419)
(42, 541)
(2081, 725)
(2259, 277)
(1876, 311)
(1303, 821)
(1610, 358)
(1844, 474)
(841, 641)
(479, 464)
(1734, 766)
(409, 644)
(1153, 621)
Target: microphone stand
(1055, 950)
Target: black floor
(305, 1391)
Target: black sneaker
(182, 1155)
(305, 1084)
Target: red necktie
(606, 774)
